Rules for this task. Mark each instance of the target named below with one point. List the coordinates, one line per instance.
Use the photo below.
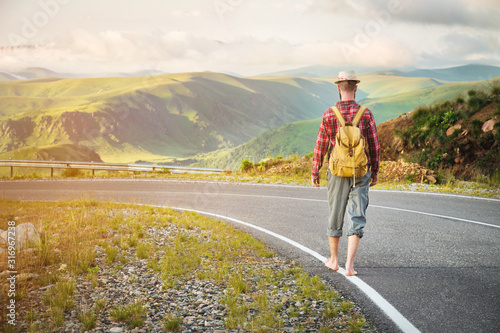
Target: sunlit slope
(389, 83)
(58, 152)
(153, 118)
(389, 107)
(295, 138)
(299, 137)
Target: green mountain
(58, 152)
(472, 72)
(216, 119)
(299, 137)
(153, 118)
(460, 73)
(391, 93)
(6, 77)
(295, 138)
(391, 106)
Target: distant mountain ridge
(211, 117)
(461, 73)
(157, 118)
(38, 73)
(472, 72)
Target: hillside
(447, 141)
(392, 106)
(299, 137)
(207, 118)
(390, 93)
(295, 138)
(155, 118)
(460, 137)
(58, 152)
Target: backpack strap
(355, 121)
(337, 113)
(358, 116)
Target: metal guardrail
(102, 166)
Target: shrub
(246, 165)
(172, 323)
(88, 319)
(134, 314)
(69, 172)
(61, 295)
(435, 162)
(495, 91)
(476, 126)
(477, 100)
(143, 251)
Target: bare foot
(331, 264)
(353, 273)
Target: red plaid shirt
(329, 127)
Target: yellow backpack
(348, 158)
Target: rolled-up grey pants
(341, 196)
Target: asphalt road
(434, 258)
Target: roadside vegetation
(441, 147)
(296, 170)
(85, 247)
(453, 137)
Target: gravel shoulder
(275, 296)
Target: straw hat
(347, 76)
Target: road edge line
(437, 215)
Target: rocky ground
(467, 150)
(199, 304)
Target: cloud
(479, 14)
(122, 48)
(472, 48)
(182, 51)
(358, 33)
(473, 13)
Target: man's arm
(320, 150)
(373, 148)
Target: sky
(246, 37)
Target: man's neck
(347, 97)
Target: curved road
(435, 258)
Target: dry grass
(71, 231)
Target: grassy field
(80, 240)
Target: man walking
(342, 192)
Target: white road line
(462, 196)
(437, 215)
(403, 323)
(323, 200)
(167, 180)
(310, 199)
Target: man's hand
(315, 181)
(374, 180)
